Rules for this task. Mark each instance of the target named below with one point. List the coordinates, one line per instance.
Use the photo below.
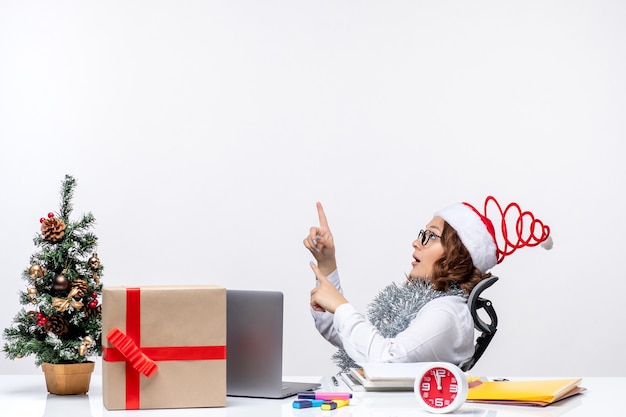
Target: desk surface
(26, 396)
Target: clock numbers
(438, 373)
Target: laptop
(254, 346)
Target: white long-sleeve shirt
(442, 330)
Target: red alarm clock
(440, 387)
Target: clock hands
(438, 378)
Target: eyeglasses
(425, 236)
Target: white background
(202, 133)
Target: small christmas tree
(61, 322)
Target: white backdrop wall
(202, 133)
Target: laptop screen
(254, 342)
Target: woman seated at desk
(426, 318)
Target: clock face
(439, 388)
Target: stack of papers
(531, 393)
(382, 377)
(357, 381)
(392, 371)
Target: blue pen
(307, 403)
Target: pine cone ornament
(57, 325)
(79, 288)
(52, 229)
(92, 312)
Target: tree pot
(66, 379)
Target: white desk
(26, 396)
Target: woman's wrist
(327, 267)
(338, 304)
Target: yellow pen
(331, 405)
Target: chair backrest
(475, 302)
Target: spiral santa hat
(489, 245)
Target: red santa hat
(489, 245)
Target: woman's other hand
(325, 297)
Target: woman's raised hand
(321, 244)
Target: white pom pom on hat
(479, 236)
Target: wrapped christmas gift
(163, 347)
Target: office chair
(475, 302)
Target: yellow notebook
(534, 392)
